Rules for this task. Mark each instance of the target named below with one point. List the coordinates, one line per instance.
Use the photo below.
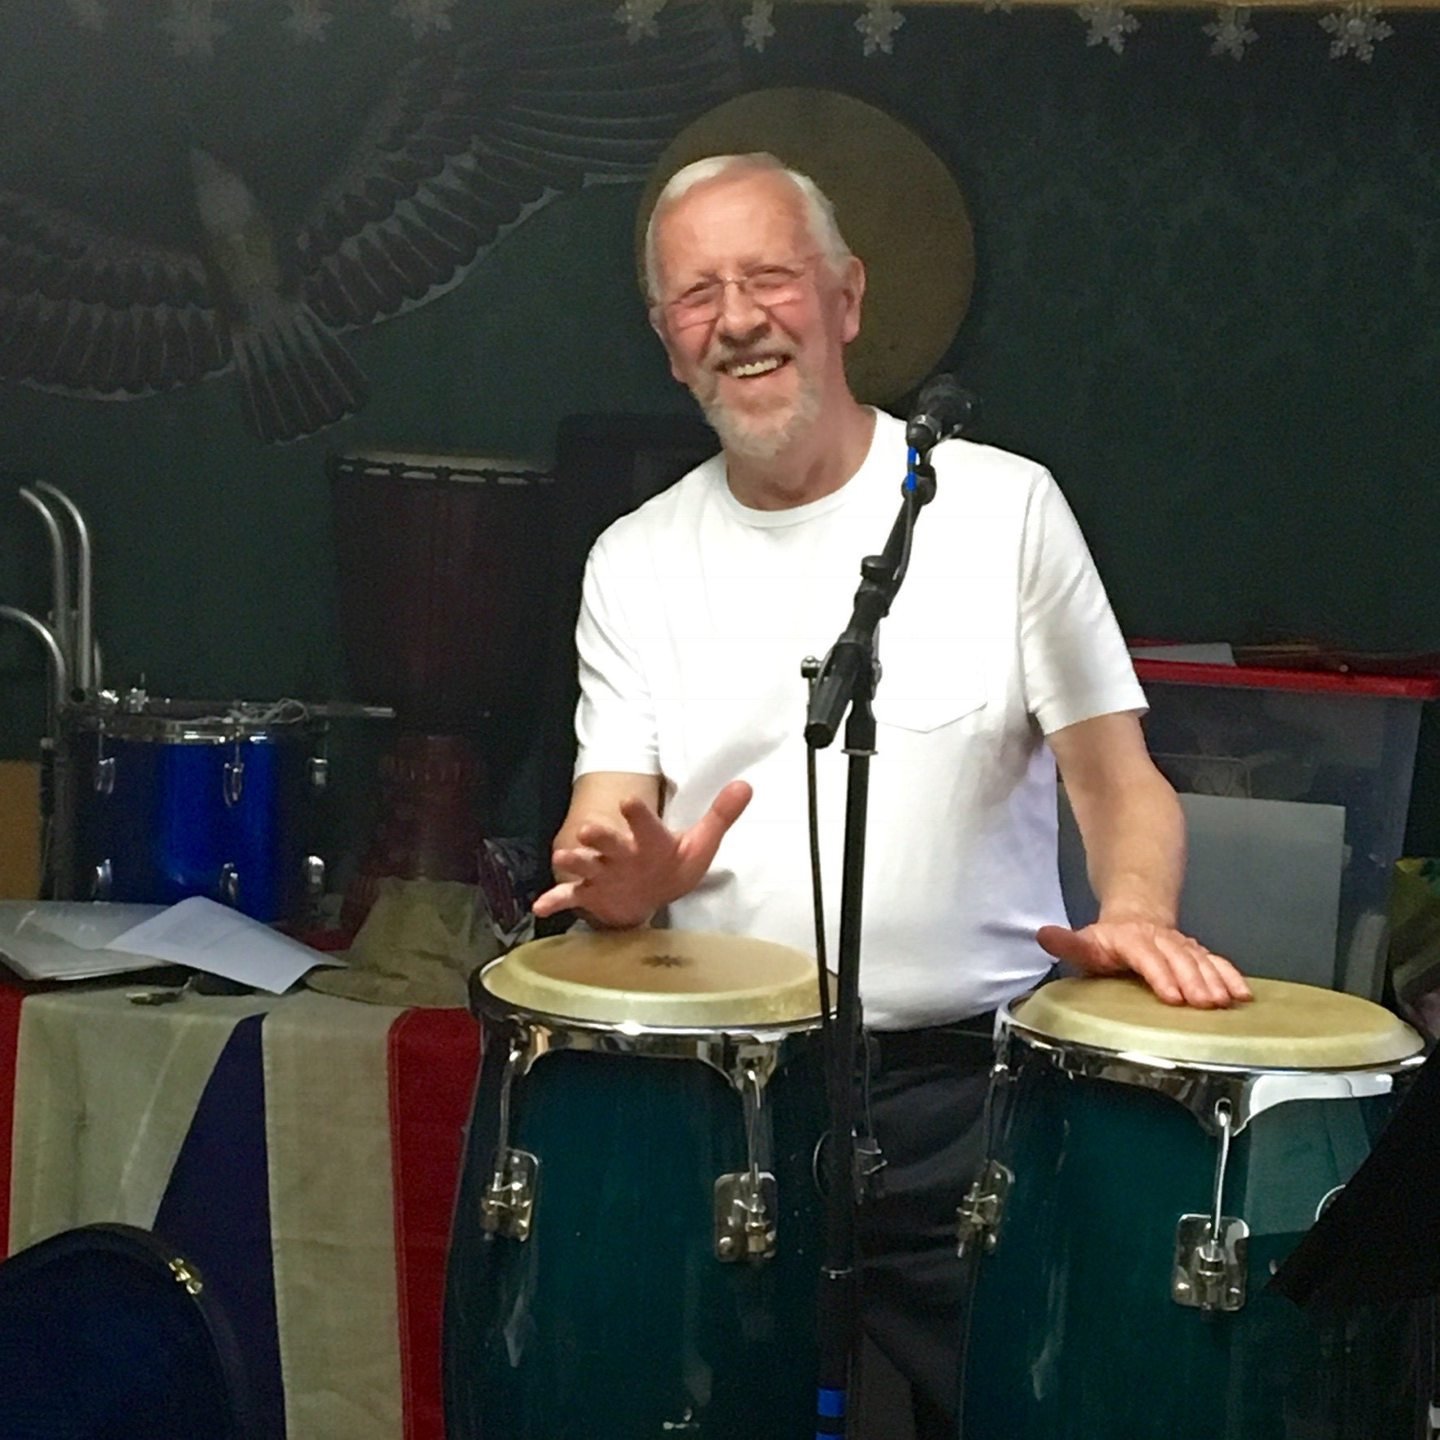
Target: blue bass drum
(176, 798)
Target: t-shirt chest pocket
(924, 685)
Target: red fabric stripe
(434, 1055)
(10, 1001)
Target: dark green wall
(1208, 295)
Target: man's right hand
(619, 873)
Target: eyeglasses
(765, 286)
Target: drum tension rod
(980, 1212)
(745, 1200)
(508, 1205)
(1209, 1271)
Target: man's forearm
(1135, 852)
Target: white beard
(762, 437)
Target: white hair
(819, 212)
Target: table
(303, 1151)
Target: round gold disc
(898, 206)
(1286, 1026)
(660, 978)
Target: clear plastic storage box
(1295, 786)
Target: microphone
(942, 410)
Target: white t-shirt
(696, 615)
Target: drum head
(1286, 1027)
(658, 978)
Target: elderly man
(1000, 660)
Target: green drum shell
(614, 1319)
(1072, 1331)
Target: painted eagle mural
(241, 224)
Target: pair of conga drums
(637, 1240)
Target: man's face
(767, 364)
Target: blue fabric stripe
(216, 1212)
(830, 1403)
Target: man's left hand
(1180, 971)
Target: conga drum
(1150, 1168)
(637, 1237)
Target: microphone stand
(847, 680)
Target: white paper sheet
(208, 936)
(63, 939)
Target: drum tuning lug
(105, 775)
(1209, 1272)
(869, 1161)
(314, 877)
(319, 772)
(508, 1205)
(745, 1216)
(229, 884)
(186, 1275)
(233, 784)
(102, 881)
(983, 1207)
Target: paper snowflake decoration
(638, 18)
(878, 25)
(1230, 31)
(424, 16)
(307, 19)
(89, 14)
(1356, 28)
(758, 26)
(193, 28)
(1109, 24)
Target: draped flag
(302, 1152)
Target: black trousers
(926, 1100)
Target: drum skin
(1073, 1334)
(615, 1320)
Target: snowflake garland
(759, 25)
(1108, 24)
(639, 19)
(878, 25)
(1356, 28)
(1230, 31)
(193, 29)
(424, 16)
(307, 19)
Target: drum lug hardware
(105, 775)
(319, 772)
(1209, 1272)
(229, 884)
(983, 1207)
(869, 1161)
(187, 1275)
(233, 785)
(745, 1205)
(508, 1205)
(102, 881)
(745, 1216)
(314, 877)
